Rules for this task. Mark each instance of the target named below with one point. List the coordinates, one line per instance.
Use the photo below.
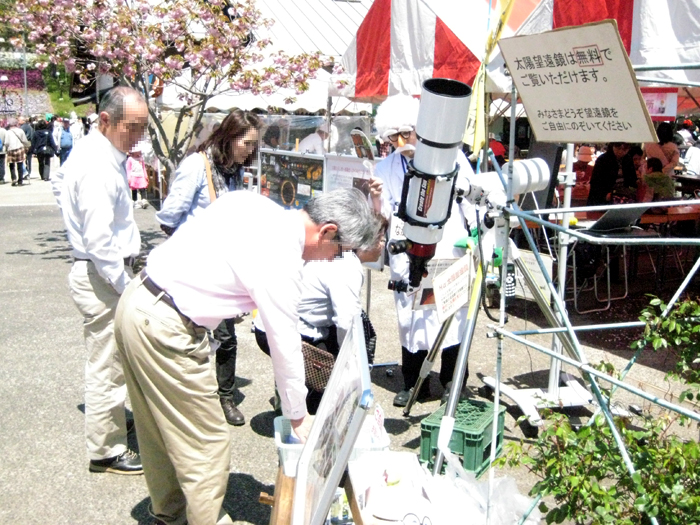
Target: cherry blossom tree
(201, 47)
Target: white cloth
(57, 132)
(98, 212)
(330, 296)
(687, 136)
(77, 131)
(692, 160)
(419, 328)
(241, 253)
(312, 144)
(15, 139)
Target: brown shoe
(231, 413)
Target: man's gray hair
(113, 102)
(349, 210)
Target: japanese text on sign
(577, 85)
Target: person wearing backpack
(44, 147)
(66, 142)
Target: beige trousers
(105, 390)
(183, 437)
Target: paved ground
(44, 476)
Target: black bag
(318, 365)
(370, 337)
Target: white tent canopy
(302, 26)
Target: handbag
(318, 365)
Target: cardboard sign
(452, 287)
(577, 85)
(522, 290)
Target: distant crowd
(44, 137)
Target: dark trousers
(2, 168)
(64, 154)
(17, 173)
(412, 362)
(44, 165)
(225, 334)
(28, 164)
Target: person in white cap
(314, 142)
(396, 120)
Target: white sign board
(452, 287)
(577, 85)
(662, 103)
(335, 429)
(346, 172)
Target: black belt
(158, 292)
(128, 261)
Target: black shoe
(128, 463)
(446, 394)
(231, 413)
(401, 399)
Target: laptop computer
(617, 220)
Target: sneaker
(127, 463)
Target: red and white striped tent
(401, 43)
(654, 33)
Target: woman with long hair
(216, 168)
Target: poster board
(452, 287)
(577, 85)
(661, 102)
(335, 429)
(290, 179)
(425, 298)
(343, 171)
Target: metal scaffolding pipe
(560, 211)
(592, 371)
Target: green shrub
(585, 474)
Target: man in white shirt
(192, 282)
(314, 143)
(418, 329)
(98, 213)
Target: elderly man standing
(191, 283)
(98, 213)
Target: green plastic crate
(471, 437)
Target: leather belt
(158, 292)
(128, 261)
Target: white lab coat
(312, 144)
(419, 328)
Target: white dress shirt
(98, 212)
(419, 328)
(312, 144)
(330, 296)
(242, 252)
(692, 160)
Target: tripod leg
(428, 364)
(447, 423)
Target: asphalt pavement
(44, 477)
